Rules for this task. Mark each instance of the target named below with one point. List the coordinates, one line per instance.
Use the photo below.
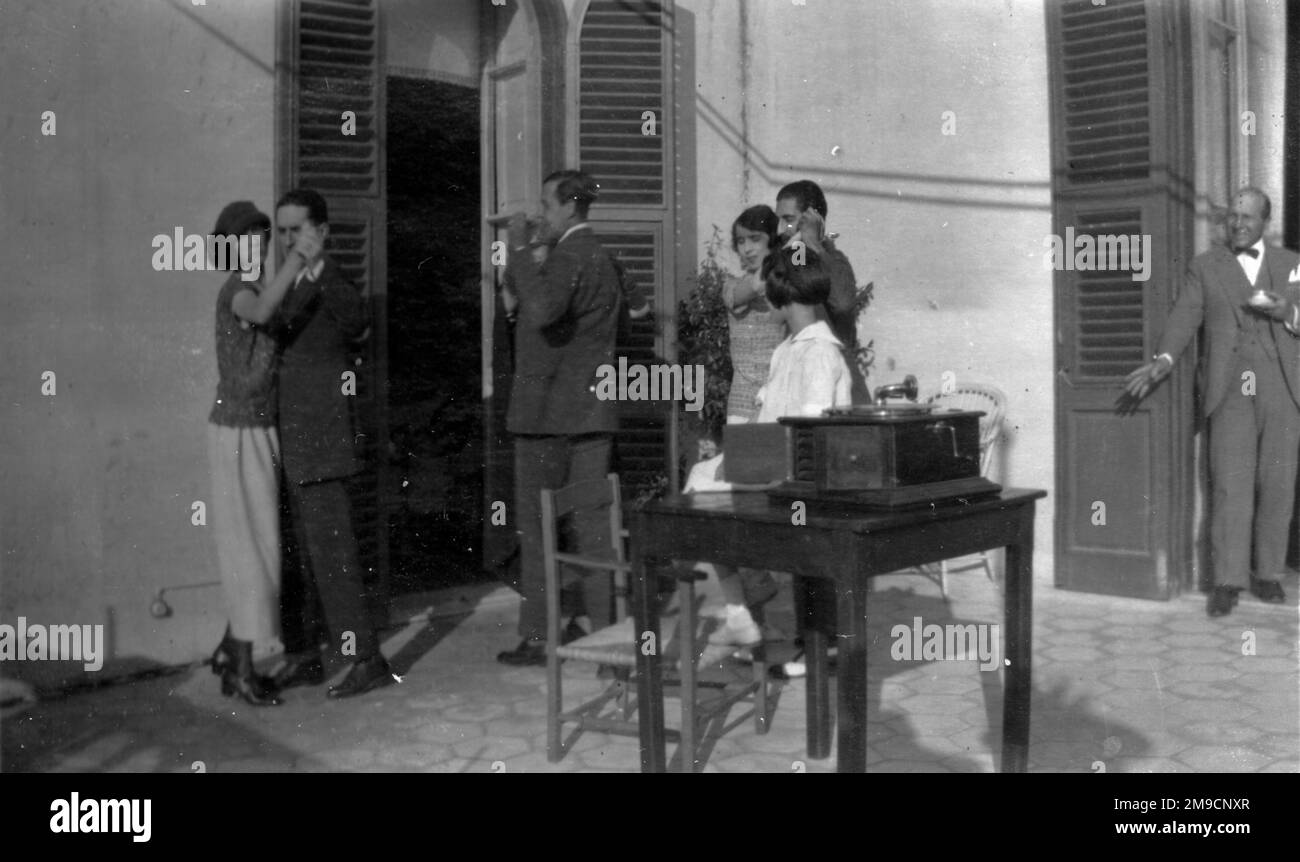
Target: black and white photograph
(616, 386)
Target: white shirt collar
(817, 331)
(311, 273)
(577, 226)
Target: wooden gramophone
(886, 454)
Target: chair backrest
(977, 396)
(590, 496)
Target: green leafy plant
(703, 339)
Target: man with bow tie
(1246, 295)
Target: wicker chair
(971, 396)
(616, 645)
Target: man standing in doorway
(568, 315)
(323, 316)
(1245, 294)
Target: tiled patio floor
(1119, 684)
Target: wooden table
(832, 555)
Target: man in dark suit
(322, 317)
(568, 314)
(801, 213)
(1245, 295)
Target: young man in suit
(568, 315)
(323, 316)
(801, 214)
(1250, 392)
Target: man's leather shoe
(572, 632)
(1267, 591)
(364, 675)
(528, 654)
(300, 670)
(1221, 601)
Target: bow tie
(1253, 252)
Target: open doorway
(434, 499)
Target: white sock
(738, 615)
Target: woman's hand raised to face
(309, 245)
(812, 229)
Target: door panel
(1121, 168)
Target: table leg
(686, 615)
(817, 623)
(649, 672)
(1019, 621)
(851, 601)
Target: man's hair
(806, 283)
(574, 186)
(758, 218)
(1259, 193)
(317, 211)
(806, 193)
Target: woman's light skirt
(245, 519)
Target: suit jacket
(320, 323)
(1215, 295)
(844, 292)
(569, 309)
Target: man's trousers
(1253, 443)
(554, 462)
(325, 594)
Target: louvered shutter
(621, 73)
(1107, 90)
(336, 69)
(642, 426)
(1121, 167)
(625, 70)
(1108, 305)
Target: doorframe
(546, 21)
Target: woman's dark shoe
(223, 656)
(242, 679)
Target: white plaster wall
(164, 114)
(439, 39)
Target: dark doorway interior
(435, 424)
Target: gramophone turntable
(886, 454)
